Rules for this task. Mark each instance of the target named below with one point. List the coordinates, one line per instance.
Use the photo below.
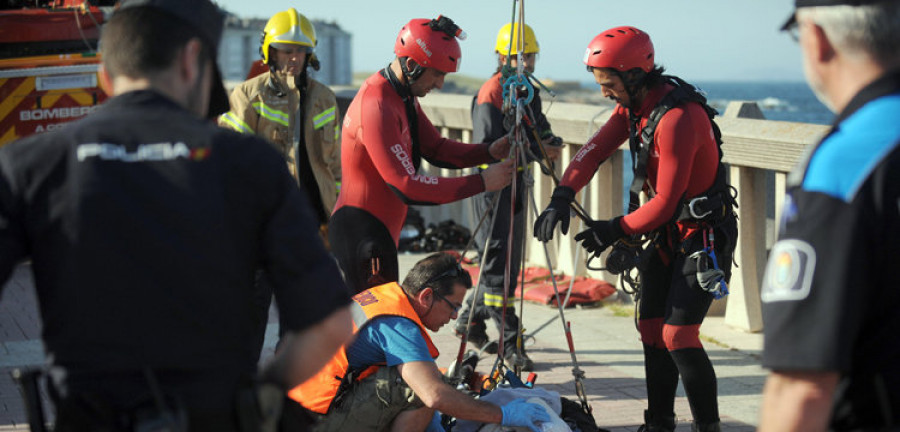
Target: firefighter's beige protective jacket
(263, 107)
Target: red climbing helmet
(621, 48)
(431, 43)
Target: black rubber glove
(601, 235)
(557, 212)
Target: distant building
(333, 49)
(240, 48)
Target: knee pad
(678, 337)
(651, 332)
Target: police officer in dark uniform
(831, 290)
(145, 224)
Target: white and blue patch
(789, 272)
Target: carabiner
(693, 211)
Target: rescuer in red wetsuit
(385, 136)
(681, 167)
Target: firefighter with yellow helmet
(490, 122)
(294, 112)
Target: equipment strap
(641, 140)
(411, 115)
(714, 204)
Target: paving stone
(608, 351)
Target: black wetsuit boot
(699, 381)
(706, 427)
(662, 381)
(657, 423)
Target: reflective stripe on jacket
(260, 107)
(389, 299)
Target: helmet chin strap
(312, 61)
(411, 75)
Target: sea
(784, 101)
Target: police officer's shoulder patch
(789, 272)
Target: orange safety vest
(389, 299)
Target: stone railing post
(754, 150)
(743, 306)
(604, 201)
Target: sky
(699, 40)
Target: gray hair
(871, 30)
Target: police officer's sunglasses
(792, 27)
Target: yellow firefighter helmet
(288, 27)
(503, 45)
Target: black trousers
(489, 304)
(124, 402)
(672, 307)
(364, 249)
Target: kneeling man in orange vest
(387, 379)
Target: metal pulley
(517, 87)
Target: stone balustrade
(758, 154)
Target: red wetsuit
(682, 162)
(376, 156)
(380, 181)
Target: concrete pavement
(608, 351)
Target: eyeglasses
(794, 32)
(792, 27)
(455, 307)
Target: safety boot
(706, 427)
(654, 423)
(477, 337)
(514, 359)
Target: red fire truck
(48, 63)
